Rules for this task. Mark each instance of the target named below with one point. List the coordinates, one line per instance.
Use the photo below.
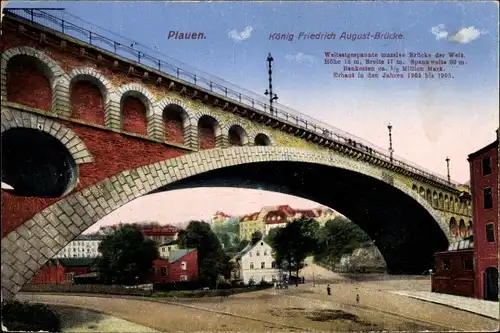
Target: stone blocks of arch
(28, 247)
(61, 84)
(20, 119)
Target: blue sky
(431, 119)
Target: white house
(165, 249)
(256, 263)
(83, 246)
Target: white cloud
(239, 36)
(462, 36)
(439, 31)
(465, 35)
(301, 58)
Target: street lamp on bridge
(448, 169)
(391, 151)
(269, 92)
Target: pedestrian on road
(328, 290)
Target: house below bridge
(255, 263)
(62, 270)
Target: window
(162, 249)
(265, 252)
(163, 271)
(251, 265)
(467, 264)
(250, 253)
(273, 264)
(486, 166)
(184, 278)
(446, 264)
(490, 233)
(183, 265)
(488, 199)
(262, 243)
(262, 265)
(258, 253)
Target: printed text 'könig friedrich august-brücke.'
(290, 37)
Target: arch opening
(36, 164)
(174, 119)
(470, 230)
(462, 229)
(87, 99)
(397, 233)
(29, 82)
(262, 140)
(453, 227)
(134, 113)
(207, 130)
(237, 136)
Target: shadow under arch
(404, 232)
(408, 230)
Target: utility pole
(269, 92)
(391, 151)
(448, 169)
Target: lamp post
(448, 169)
(391, 151)
(272, 97)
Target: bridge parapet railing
(86, 32)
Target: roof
(219, 213)
(172, 242)
(76, 262)
(483, 150)
(250, 217)
(247, 249)
(89, 237)
(178, 254)
(161, 231)
(87, 275)
(244, 251)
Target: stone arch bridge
(85, 131)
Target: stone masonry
(29, 246)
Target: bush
(24, 316)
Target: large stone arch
(112, 115)
(28, 247)
(220, 138)
(12, 118)
(52, 68)
(145, 96)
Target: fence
(87, 288)
(101, 38)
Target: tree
(241, 245)
(126, 254)
(269, 239)
(293, 243)
(212, 261)
(339, 236)
(256, 236)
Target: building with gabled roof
(255, 263)
(270, 217)
(181, 265)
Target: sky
(432, 119)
